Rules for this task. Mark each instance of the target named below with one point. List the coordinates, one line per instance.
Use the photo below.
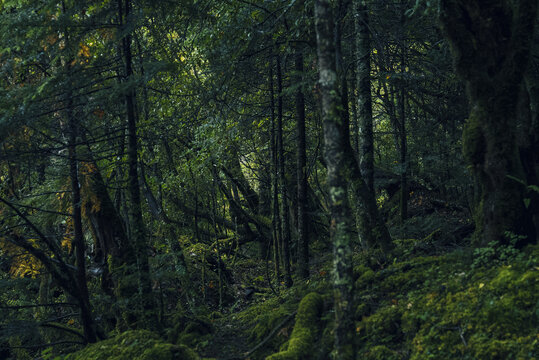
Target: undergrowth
(462, 304)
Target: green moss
(473, 139)
(305, 331)
(134, 345)
(384, 325)
(169, 352)
(191, 332)
(365, 275)
(381, 352)
(361, 310)
(442, 308)
(494, 316)
(266, 322)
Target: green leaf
(516, 179)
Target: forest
(269, 179)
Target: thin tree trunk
(282, 177)
(342, 7)
(138, 235)
(364, 104)
(364, 99)
(83, 299)
(303, 241)
(402, 114)
(80, 287)
(335, 148)
(276, 223)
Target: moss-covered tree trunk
(335, 136)
(491, 43)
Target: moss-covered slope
(133, 345)
(443, 307)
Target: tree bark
(401, 104)
(491, 46)
(364, 99)
(285, 213)
(149, 306)
(83, 299)
(80, 286)
(301, 176)
(335, 148)
(276, 220)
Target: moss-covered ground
(133, 345)
(431, 299)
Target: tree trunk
(491, 46)
(402, 130)
(529, 145)
(285, 235)
(83, 299)
(303, 241)
(80, 286)
(149, 307)
(368, 220)
(276, 220)
(364, 99)
(338, 173)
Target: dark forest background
(235, 179)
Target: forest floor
(435, 298)
(229, 341)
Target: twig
(461, 333)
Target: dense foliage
(174, 176)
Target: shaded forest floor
(434, 298)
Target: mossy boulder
(133, 345)
(306, 328)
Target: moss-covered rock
(133, 345)
(305, 331)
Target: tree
(364, 97)
(335, 137)
(491, 45)
(301, 176)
